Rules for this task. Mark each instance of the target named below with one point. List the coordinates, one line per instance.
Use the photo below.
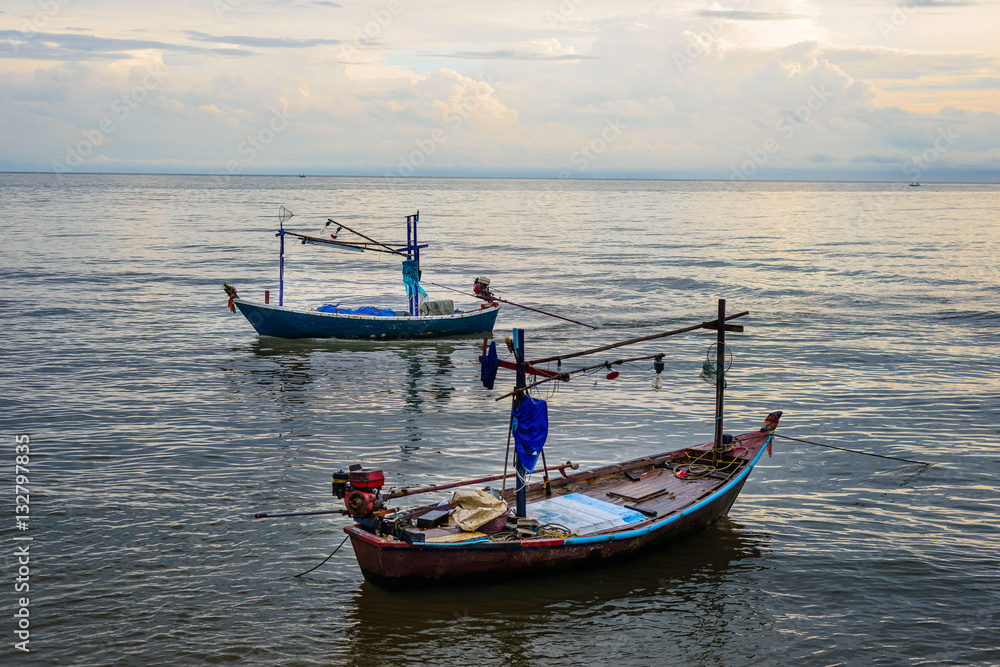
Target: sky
(736, 90)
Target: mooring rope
(852, 451)
(325, 559)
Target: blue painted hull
(285, 322)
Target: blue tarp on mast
(489, 365)
(411, 278)
(531, 427)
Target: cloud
(948, 3)
(75, 47)
(880, 62)
(876, 159)
(507, 54)
(261, 42)
(734, 15)
(525, 90)
(539, 49)
(284, 4)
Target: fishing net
(709, 369)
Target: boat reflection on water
(429, 374)
(312, 383)
(688, 591)
(422, 371)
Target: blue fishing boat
(421, 319)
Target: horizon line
(495, 177)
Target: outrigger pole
(704, 325)
(367, 238)
(479, 480)
(412, 492)
(511, 303)
(268, 515)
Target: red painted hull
(400, 565)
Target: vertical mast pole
(521, 483)
(720, 366)
(415, 301)
(416, 246)
(409, 255)
(281, 265)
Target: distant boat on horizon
(914, 184)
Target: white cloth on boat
(474, 509)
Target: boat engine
(481, 288)
(360, 489)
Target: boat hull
(284, 322)
(395, 564)
(492, 561)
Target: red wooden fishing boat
(645, 500)
(574, 520)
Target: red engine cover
(359, 503)
(366, 478)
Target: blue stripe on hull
(286, 322)
(732, 488)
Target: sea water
(154, 423)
